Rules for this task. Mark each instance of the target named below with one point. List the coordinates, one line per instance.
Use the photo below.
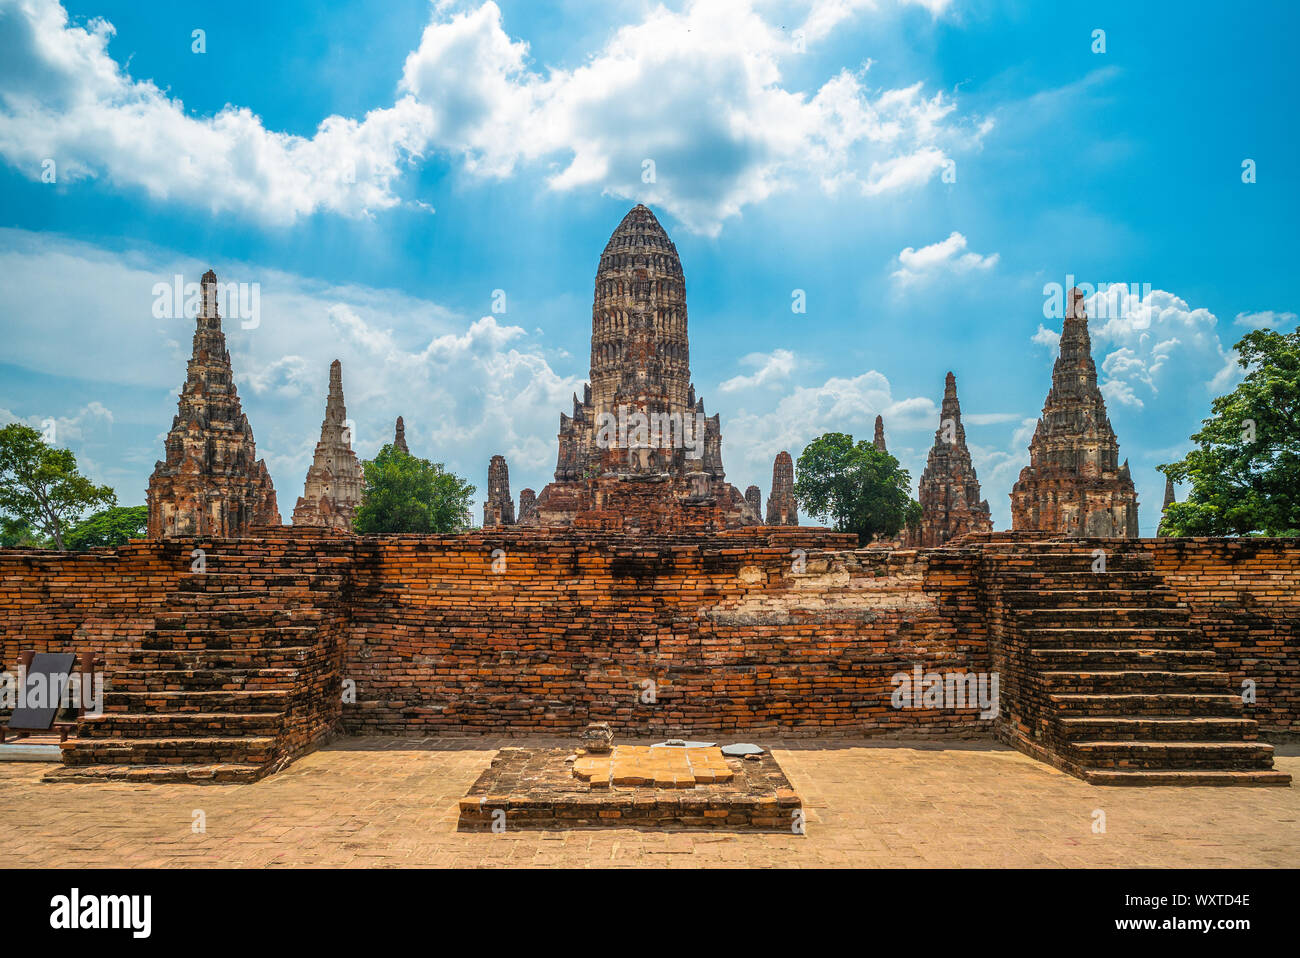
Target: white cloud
(66, 100)
(698, 92)
(1267, 319)
(753, 436)
(1047, 337)
(1149, 329)
(825, 15)
(946, 256)
(770, 370)
(468, 388)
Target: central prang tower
(639, 453)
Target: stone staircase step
(235, 619)
(1162, 756)
(1149, 728)
(1149, 704)
(243, 658)
(1122, 637)
(173, 724)
(240, 700)
(200, 774)
(1054, 562)
(270, 637)
(172, 750)
(1140, 658)
(1119, 681)
(1209, 777)
(1090, 599)
(1075, 579)
(164, 680)
(1109, 616)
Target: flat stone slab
(741, 748)
(650, 766)
(534, 788)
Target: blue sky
(921, 170)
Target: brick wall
(736, 632)
(1245, 594)
(102, 600)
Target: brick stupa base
(536, 788)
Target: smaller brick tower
(399, 437)
(949, 491)
(781, 509)
(332, 491)
(499, 510)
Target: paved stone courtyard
(393, 802)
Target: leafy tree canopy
(1245, 471)
(41, 488)
(401, 493)
(111, 527)
(856, 486)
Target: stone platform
(538, 788)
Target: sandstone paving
(392, 802)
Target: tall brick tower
(1074, 483)
(949, 491)
(639, 453)
(211, 483)
(332, 490)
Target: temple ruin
(781, 507)
(949, 491)
(1074, 483)
(638, 453)
(332, 491)
(499, 510)
(211, 481)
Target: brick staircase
(1109, 680)
(238, 676)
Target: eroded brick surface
(638, 786)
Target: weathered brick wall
(102, 600)
(1245, 594)
(733, 631)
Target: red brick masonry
(762, 629)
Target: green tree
(855, 485)
(111, 527)
(41, 487)
(17, 534)
(401, 493)
(1245, 471)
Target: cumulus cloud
(68, 102)
(685, 109)
(1150, 329)
(945, 257)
